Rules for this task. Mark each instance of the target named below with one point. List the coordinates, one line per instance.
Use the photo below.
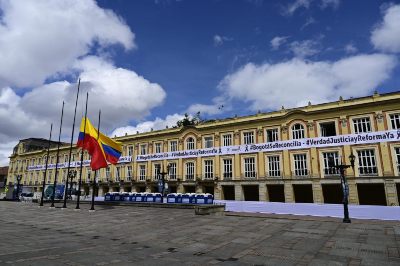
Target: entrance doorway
(189, 189)
(141, 189)
(333, 193)
(303, 193)
(371, 194)
(251, 193)
(105, 190)
(276, 193)
(228, 192)
(86, 190)
(209, 189)
(127, 189)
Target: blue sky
(146, 63)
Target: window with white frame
(49, 176)
(157, 147)
(189, 171)
(172, 171)
(272, 135)
(298, 131)
(130, 150)
(129, 173)
(108, 173)
(249, 167)
(208, 142)
(190, 143)
(300, 164)
(142, 172)
(274, 166)
(117, 173)
(362, 125)
(143, 149)
(248, 137)
(367, 162)
(395, 121)
(157, 170)
(330, 170)
(173, 145)
(88, 173)
(397, 154)
(227, 167)
(208, 169)
(227, 140)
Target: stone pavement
(157, 236)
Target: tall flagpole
(95, 172)
(47, 162)
(83, 145)
(57, 160)
(70, 150)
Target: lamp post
(162, 174)
(19, 177)
(71, 174)
(345, 187)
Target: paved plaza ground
(124, 235)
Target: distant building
(3, 176)
(275, 156)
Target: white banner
(341, 140)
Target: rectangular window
(88, 172)
(249, 167)
(300, 164)
(117, 173)
(189, 171)
(108, 173)
(248, 137)
(272, 135)
(367, 162)
(173, 145)
(157, 170)
(172, 171)
(328, 171)
(227, 140)
(362, 125)
(143, 149)
(142, 172)
(328, 129)
(274, 167)
(157, 147)
(397, 152)
(395, 121)
(208, 142)
(208, 169)
(227, 164)
(130, 150)
(129, 173)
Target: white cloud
(146, 126)
(295, 82)
(42, 38)
(5, 149)
(386, 35)
(330, 3)
(350, 48)
(277, 41)
(219, 40)
(291, 8)
(309, 22)
(304, 49)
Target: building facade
(277, 156)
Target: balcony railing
(227, 176)
(248, 175)
(368, 171)
(273, 174)
(301, 173)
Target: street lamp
(162, 175)
(72, 175)
(19, 177)
(345, 187)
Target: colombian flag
(101, 148)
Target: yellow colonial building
(278, 156)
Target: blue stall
(188, 198)
(174, 198)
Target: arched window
(298, 131)
(190, 143)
